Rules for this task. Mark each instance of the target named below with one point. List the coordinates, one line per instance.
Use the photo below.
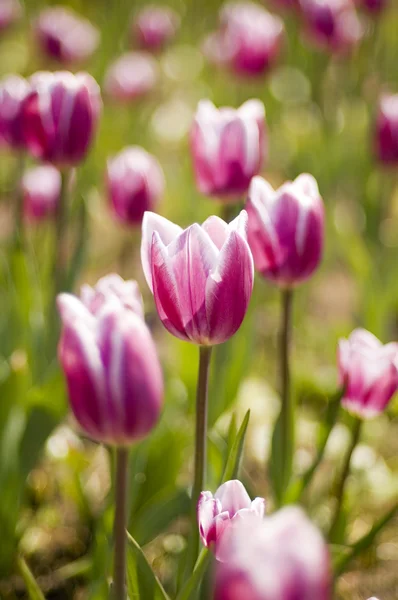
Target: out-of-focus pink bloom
(215, 513)
(61, 116)
(64, 36)
(368, 371)
(201, 277)
(41, 188)
(135, 183)
(132, 76)
(373, 6)
(10, 13)
(113, 374)
(281, 557)
(286, 4)
(114, 287)
(13, 92)
(228, 148)
(286, 229)
(386, 138)
(155, 26)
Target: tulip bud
(286, 228)
(64, 36)
(215, 513)
(386, 139)
(201, 277)
(368, 373)
(13, 92)
(155, 26)
(112, 371)
(112, 286)
(41, 189)
(131, 76)
(281, 557)
(61, 116)
(227, 147)
(10, 12)
(135, 183)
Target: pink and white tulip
(386, 134)
(201, 277)
(114, 287)
(10, 13)
(155, 26)
(41, 189)
(132, 76)
(14, 90)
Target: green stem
(59, 267)
(18, 202)
(197, 576)
(287, 409)
(119, 591)
(31, 584)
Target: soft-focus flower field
(325, 80)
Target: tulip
(60, 116)
(281, 557)
(216, 513)
(112, 286)
(155, 26)
(13, 92)
(386, 139)
(227, 147)
(64, 36)
(41, 188)
(10, 12)
(112, 370)
(368, 373)
(135, 183)
(131, 76)
(373, 6)
(286, 228)
(201, 277)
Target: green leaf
(234, 457)
(34, 592)
(40, 424)
(141, 580)
(191, 586)
(280, 471)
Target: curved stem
(287, 409)
(119, 591)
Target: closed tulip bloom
(155, 26)
(228, 148)
(201, 277)
(10, 13)
(386, 135)
(135, 184)
(286, 229)
(368, 373)
(64, 36)
(13, 92)
(281, 557)
(41, 189)
(130, 77)
(215, 513)
(126, 293)
(112, 371)
(61, 116)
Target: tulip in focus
(215, 513)
(281, 557)
(114, 287)
(286, 229)
(135, 183)
(14, 90)
(155, 26)
(10, 13)
(368, 373)
(201, 277)
(228, 148)
(61, 116)
(131, 76)
(64, 36)
(41, 188)
(386, 138)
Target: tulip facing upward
(155, 26)
(201, 277)
(368, 372)
(13, 93)
(114, 287)
(286, 228)
(41, 188)
(386, 138)
(228, 148)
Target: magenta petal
(233, 497)
(208, 509)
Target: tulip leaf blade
(191, 586)
(235, 454)
(32, 587)
(141, 580)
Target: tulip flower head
(135, 183)
(41, 189)
(228, 148)
(130, 77)
(114, 287)
(201, 277)
(155, 26)
(386, 135)
(13, 93)
(374, 7)
(10, 13)
(368, 373)
(286, 229)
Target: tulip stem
(119, 591)
(287, 409)
(18, 202)
(60, 229)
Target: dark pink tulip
(10, 12)
(286, 229)
(228, 148)
(216, 512)
(131, 76)
(64, 36)
(112, 286)
(386, 135)
(281, 557)
(368, 371)
(13, 92)
(135, 183)
(373, 6)
(155, 26)
(112, 370)
(41, 188)
(201, 277)
(61, 116)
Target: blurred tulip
(368, 371)
(373, 6)
(286, 3)
(201, 277)
(135, 183)
(41, 188)
(61, 116)
(281, 557)
(155, 26)
(13, 92)
(64, 36)
(114, 287)
(228, 148)
(386, 139)
(216, 512)
(10, 12)
(131, 76)
(112, 370)
(286, 229)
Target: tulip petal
(217, 230)
(258, 506)
(167, 232)
(233, 497)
